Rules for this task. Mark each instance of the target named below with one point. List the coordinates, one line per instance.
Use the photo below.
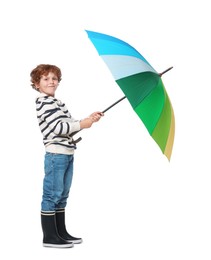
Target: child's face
(48, 84)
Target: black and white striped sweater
(56, 125)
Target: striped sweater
(56, 125)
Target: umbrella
(142, 86)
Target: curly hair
(44, 69)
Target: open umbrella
(142, 86)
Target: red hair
(43, 70)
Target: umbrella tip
(160, 74)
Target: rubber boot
(61, 227)
(51, 237)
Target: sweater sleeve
(53, 119)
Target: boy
(57, 126)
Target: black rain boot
(50, 234)
(60, 222)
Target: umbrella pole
(113, 104)
(79, 139)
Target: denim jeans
(57, 181)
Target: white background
(126, 200)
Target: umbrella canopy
(142, 86)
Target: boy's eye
(54, 78)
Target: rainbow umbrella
(142, 86)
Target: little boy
(57, 126)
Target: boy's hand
(95, 117)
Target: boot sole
(58, 245)
(79, 241)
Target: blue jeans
(57, 181)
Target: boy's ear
(37, 86)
